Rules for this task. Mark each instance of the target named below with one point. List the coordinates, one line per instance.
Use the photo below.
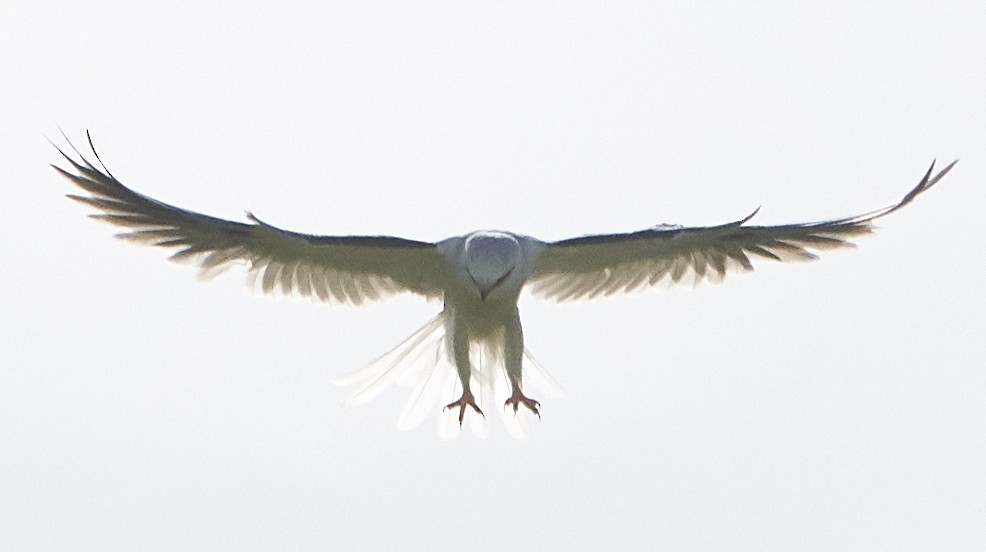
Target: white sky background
(835, 405)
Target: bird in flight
(475, 346)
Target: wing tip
(747, 218)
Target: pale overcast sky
(833, 405)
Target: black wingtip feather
(749, 217)
(96, 154)
(924, 185)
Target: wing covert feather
(345, 269)
(601, 265)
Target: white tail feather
(422, 361)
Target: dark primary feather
(347, 269)
(593, 266)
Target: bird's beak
(484, 292)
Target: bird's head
(491, 258)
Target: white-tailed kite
(475, 346)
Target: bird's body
(490, 270)
(476, 343)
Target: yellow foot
(465, 400)
(517, 398)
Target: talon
(465, 400)
(518, 398)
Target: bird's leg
(460, 353)
(518, 398)
(514, 357)
(465, 400)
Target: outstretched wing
(595, 266)
(346, 269)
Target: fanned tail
(395, 366)
(422, 361)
